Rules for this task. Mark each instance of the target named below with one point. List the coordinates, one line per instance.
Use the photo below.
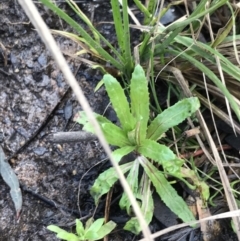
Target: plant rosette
(135, 134)
(93, 230)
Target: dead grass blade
(230, 214)
(225, 182)
(217, 111)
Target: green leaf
(119, 102)
(89, 223)
(62, 234)
(105, 181)
(163, 155)
(55, 228)
(171, 117)
(202, 186)
(166, 192)
(67, 236)
(98, 86)
(115, 135)
(132, 179)
(81, 118)
(133, 135)
(156, 151)
(121, 152)
(173, 167)
(106, 229)
(133, 226)
(91, 232)
(140, 101)
(79, 228)
(145, 195)
(10, 178)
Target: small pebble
(39, 150)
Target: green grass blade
(118, 23)
(127, 54)
(177, 27)
(171, 117)
(197, 14)
(227, 29)
(212, 77)
(91, 42)
(143, 9)
(207, 52)
(119, 102)
(140, 101)
(166, 192)
(78, 11)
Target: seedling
(138, 136)
(93, 230)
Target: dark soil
(33, 95)
(34, 99)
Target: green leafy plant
(93, 231)
(138, 136)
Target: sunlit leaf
(91, 232)
(166, 192)
(119, 102)
(62, 234)
(106, 229)
(79, 228)
(171, 117)
(55, 228)
(140, 101)
(89, 223)
(11, 180)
